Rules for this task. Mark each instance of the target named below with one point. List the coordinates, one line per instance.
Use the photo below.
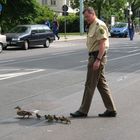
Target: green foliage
(115, 8)
(74, 4)
(23, 12)
(107, 8)
(135, 5)
(72, 23)
(2, 1)
(43, 14)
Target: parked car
(26, 35)
(120, 29)
(2, 42)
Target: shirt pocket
(91, 33)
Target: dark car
(26, 35)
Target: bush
(23, 12)
(72, 23)
(44, 14)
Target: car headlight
(15, 39)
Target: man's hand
(96, 64)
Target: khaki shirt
(97, 31)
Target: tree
(115, 8)
(135, 5)
(93, 3)
(74, 4)
(106, 8)
(2, 1)
(22, 12)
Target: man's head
(89, 15)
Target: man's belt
(95, 54)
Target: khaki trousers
(96, 78)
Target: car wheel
(26, 45)
(125, 35)
(111, 35)
(1, 46)
(47, 43)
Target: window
(44, 2)
(53, 2)
(34, 31)
(19, 29)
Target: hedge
(72, 23)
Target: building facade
(55, 5)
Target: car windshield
(120, 25)
(19, 29)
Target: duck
(23, 113)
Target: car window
(19, 29)
(47, 29)
(41, 31)
(44, 30)
(34, 31)
(121, 25)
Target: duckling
(23, 113)
(61, 119)
(67, 121)
(38, 116)
(50, 118)
(55, 118)
(46, 117)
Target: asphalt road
(52, 80)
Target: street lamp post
(139, 19)
(1, 8)
(81, 17)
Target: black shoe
(108, 113)
(78, 114)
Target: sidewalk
(71, 37)
(75, 37)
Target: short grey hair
(90, 10)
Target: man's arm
(101, 48)
(97, 62)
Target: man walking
(55, 28)
(97, 44)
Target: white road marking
(43, 58)
(16, 74)
(9, 69)
(116, 58)
(133, 51)
(122, 78)
(123, 47)
(49, 131)
(84, 61)
(6, 61)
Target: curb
(70, 38)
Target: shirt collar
(94, 22)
